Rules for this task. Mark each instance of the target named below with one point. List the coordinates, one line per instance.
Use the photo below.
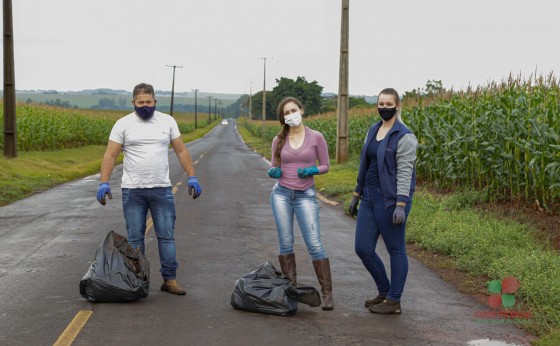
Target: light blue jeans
(159, 201)
(285, 204)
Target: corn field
(502, 139)
(49, 128)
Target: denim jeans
(159, 201)
(285, 204)
(374, 220)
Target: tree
(434, 87)
(257, 106)
(358, 102)
(239, 108)
(309, 93)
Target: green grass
(35, 171)
(477, 242)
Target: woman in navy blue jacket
(385, 185)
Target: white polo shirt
(146, 148)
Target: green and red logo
(502, 299)
(502, 292)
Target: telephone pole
(10, 142)
(251, 102)
(209, 108)
(264, 92)
(216, 108)
(342, 126)
(173, 88)
(195, 108)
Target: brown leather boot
(323, 271)
(288, 266)
(172, 287)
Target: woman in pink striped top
(299, 153)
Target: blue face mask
(145, 112)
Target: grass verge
(35, 171)
(468, 246)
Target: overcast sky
(77, 44)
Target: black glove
(398, 215)
(353, 210)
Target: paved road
(47, 242)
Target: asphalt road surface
(48, 241)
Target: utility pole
(209, 108)
(10, 142)
(264, 92)
(216, 108)
(251, 102)
(173, 88)
(342, 127)
(195, 108)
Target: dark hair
(283, 134)
(391, 91)
(143, 88)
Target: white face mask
(293, 120)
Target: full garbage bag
(118, 272)
(265, 290)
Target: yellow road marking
(71, 332)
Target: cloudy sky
(74, 45)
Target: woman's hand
(275, 172)
(353, 210)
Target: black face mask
(387, 113)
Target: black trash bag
(265, 290)
(118, 272)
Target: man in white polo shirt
(144, 137)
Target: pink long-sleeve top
(313, 149)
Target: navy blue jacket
(396, 158)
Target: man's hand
(275, 172)
(104, 190)
(307, 172)
(194, 187)
(353, 210)
(398, 215)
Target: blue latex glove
(104, 190)
(398, 215)
(275, 172)
(194, 187)
(307, 172)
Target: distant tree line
(56, 103)
(309, 93)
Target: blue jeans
(374, 220)
(285, 204)
(159, 201)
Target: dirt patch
(466, 283)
